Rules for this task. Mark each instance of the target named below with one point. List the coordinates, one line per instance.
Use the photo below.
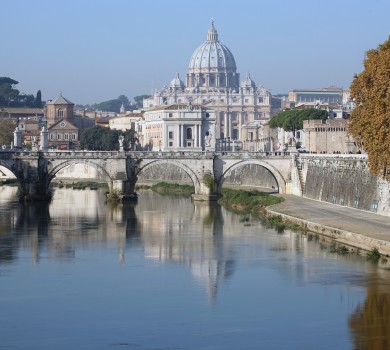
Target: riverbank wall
(358, 241)
(344, 180)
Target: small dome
(177, 83)
(248, 82)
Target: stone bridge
(35, 170)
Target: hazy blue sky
(95, 50)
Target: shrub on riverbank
(245, 201)
(173, 188)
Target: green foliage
(139, 99)
(373, 255)
(339, 249)
(38, 100)
(114, 196)
(11, 97)
(6, 131)
(208, 181)
(245, 201)
(292, 119)
(99, 138)
(173, 188)
(369, 120)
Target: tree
(99, 138)
(38, 100)
(369, 123)
(7, 91)
(139, 100)
(6, 131)
(292, 119)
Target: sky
(96, 50)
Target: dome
(210, 59)
(176, 83)
(248, 82)
(212, 54)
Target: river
(167, 273)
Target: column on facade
(177, 137)
(166, 136)
(239, 117)
(181, 135)
(226, 126)
(230, 118)
(195, 142)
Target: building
(18, 113)
(328, 136)
(63, 135)
(127, 121)
(311, 97)
(178, 127)
(212, 81)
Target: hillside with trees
(114, 105)
(10, 96)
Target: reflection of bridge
(35, 170)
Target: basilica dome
(212, 64)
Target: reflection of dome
(176, 83)
(212, 64)
(248, 82)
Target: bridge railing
(7, 154)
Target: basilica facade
(212, 80)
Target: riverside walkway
(357, 228)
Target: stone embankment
(356, 228)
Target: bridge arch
(11, 167)
(273, 171)
(193, 176)
(57, 166)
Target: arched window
(189, 133)
(60, 112)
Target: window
(60, 112)
(66, 136)
(246, 100)
(170, 115)
(74, 136)
(189, 133)
(170, 134)
(261, 99)
(170, 144)
(51, 136)
(59, 136)
(374, 205)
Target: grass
(245, 201)
(373, 255)
(173, 188)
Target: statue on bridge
(121, 139)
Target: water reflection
(370, 322)
(212, 243)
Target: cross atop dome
(212, 35)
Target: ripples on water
(167, 273)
